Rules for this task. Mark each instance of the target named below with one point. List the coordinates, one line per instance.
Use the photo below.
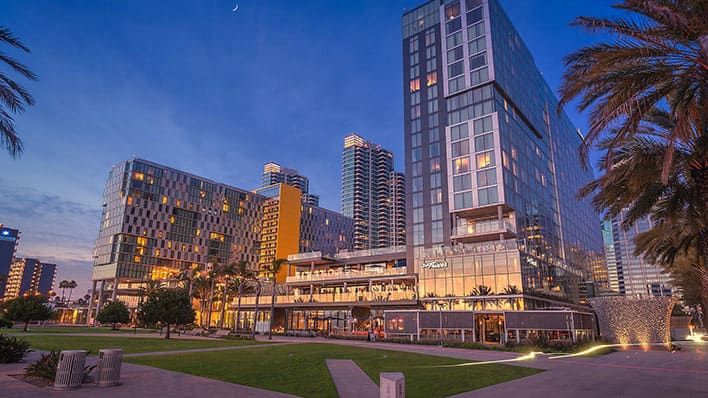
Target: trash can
(70, 369)
(109, 364)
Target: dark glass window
(453, 25)
(475, 16)
(478, 61)
(452, 11)
(455, 69)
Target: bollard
(393, 385)
(70, 369)
(109, 364)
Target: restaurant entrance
(489, 327)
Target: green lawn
(72, 329)
(128, 344)
(300, 369)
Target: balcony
(483, 230)
(343, 255)
(334, 298)
(330, 275)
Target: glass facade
(507, 159)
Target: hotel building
(9, 238)
(372, 194)
(29, 276)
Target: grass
(128, 344)
(300, 369)
(72, 330)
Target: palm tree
(242, 275)
(482, 290)
(271, 270)
(72, 285)
(13, 97)
(63, 285)
(256, 283)
(511, 290)
(660, 55)
(201, 291)
(187, 276)
(226, 273)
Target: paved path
(137, 381)
(350, 380)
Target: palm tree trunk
(272, 311)
(70, 291)
(223, 308)
(238, 310)
(211, 303)
(167, 333)
(255, 314)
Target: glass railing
(335, 297)
(305, 256)
(370, 252)
(470, 248)
(484, 227)
(349, 274)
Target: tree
(482, 290)
(200, 291)
(241, 277)
(658, 55)
(166, 307)
(28, 308)
(13, 97)
(188, 276)
(512, 290)
(114, 312)
(72, 285)
(271, 271)
(226, 272)
(63, 285)
(257, 287)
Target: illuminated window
(178, 203)
(141, 241)
(226, 206)
(172, 219)
(196, 249)
(136, 259)
(169, 245)
(415, 85)
(199, 232)
(432, 78)
(157, 252)
(485, 159)
(452, 11)
(202, 194)
(129, 201)
(138, 176)
(164, 199)
(216, 236)
(461, 165)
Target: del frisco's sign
(434, 265)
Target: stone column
(114, 294)
(89, 308)
(99, 301)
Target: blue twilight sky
(197, 87)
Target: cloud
(54, 229)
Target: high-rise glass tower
(491, 168)
(8, 246)
(273, 173)
(369, 186)
(636, 276)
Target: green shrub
(45, 367)
(237, 337)
(12, 349)
(5, 323)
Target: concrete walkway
(350, 380)
(137, 381)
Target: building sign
(434, 265)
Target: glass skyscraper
(492, 169)
(372, 194)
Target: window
(452, 11)
(435, 180)
(461, 165)
(431, 64)
(460, 148)
(479, 76)
(458, 132)
(429, 37)
(486, 177)
(434, 149)
(455, 54)
(463, 200)
(432, 78)
(416, 154)
(453, 25)
(436, 196)
(488, 196)
(470, 4)
(415, 139)
(433, 134)
(417, 168)
(477, 45)
(436, 212)
(434, 164)
(415, 85)
(483, 125)
(483, 142)
(462, 182)
(429, 52)
(432, 92)
(433, 120)
(475, 16)
(432, 106)
(417, 184)
(413, 45)
(415, 126)
(418, 234)
(418, 199)
(436, 231)
(414, 58)
(455, 69)
(485, 159)
(478, 61)
(456, 84)
(415, 111)
(475, 31)
(418, 215)
(415, 71)
(454, 40)
(415, 98)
